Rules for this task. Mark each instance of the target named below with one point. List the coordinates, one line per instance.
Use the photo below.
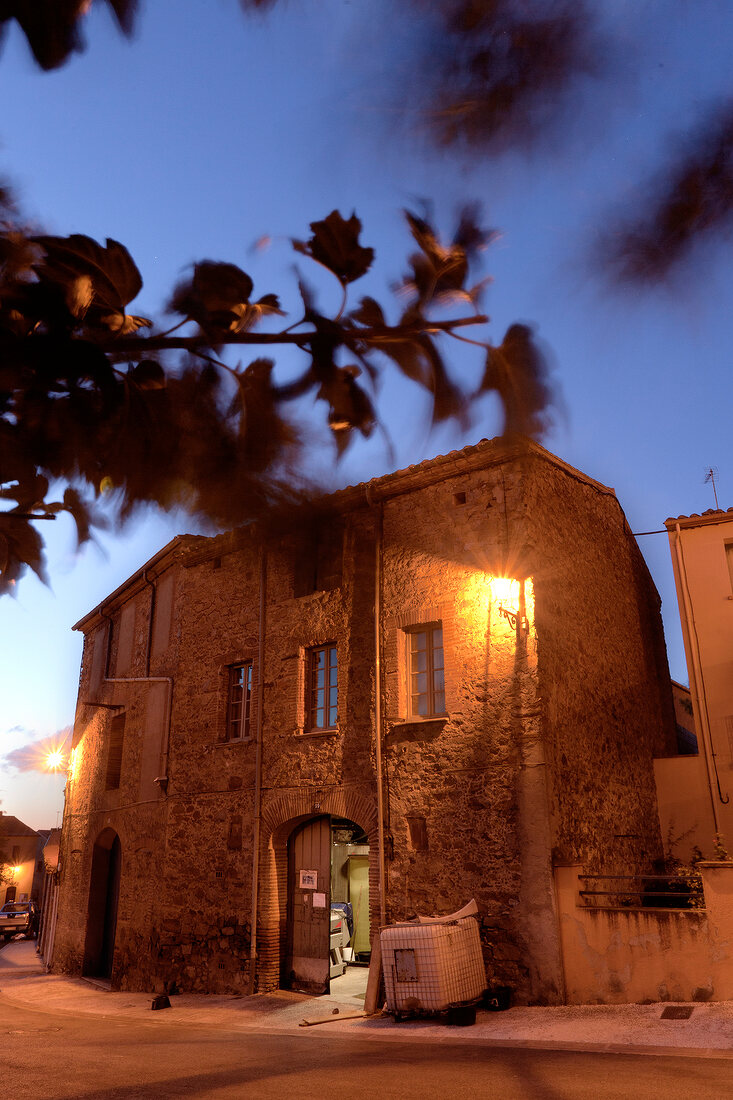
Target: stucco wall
(702, 559)
(685, 811)
(616, 956)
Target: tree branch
(375, 335)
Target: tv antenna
(711, 472)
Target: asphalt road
(45, 1056)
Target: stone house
(453, 675)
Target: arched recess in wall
(280, 818)
(104, 892)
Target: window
(318, 558)
(729, 556)
(240, 702)
(426, 671)
(114, 755)
(322, 697)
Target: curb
(351, 1029)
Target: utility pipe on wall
(151, 619)
(257, 810)
(378, 715)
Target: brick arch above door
(280, 816)
(346, 802)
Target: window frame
(243, 720)
(329, 704)
(728, 546)
(431, 668)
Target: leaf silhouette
(335, 244)
(691, 199)
(52, 26)
(439, 271)
(82, 514)
(368, 313)
(264, 433)
(349, 406)
(20, 546)
(408, 354)
(216, 296)
(113, 276)
(149, 375)
(29, 492)
(498, 74)
(517, 371)
(448, 401)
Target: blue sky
(210, 130)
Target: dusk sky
(211, 130)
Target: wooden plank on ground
(374, 996)
(311, 1021)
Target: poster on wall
(308, 880)
(319, 901)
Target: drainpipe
(257, 812)
(151, 618)
(698, 684)
(378, 712)
(108, 645)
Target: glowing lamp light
(505, 592)
(55, 760)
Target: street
(54, 1056)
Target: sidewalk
(608, 1028)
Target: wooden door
(309, 906)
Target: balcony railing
(680, 891)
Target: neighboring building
(19, 853)
(684, 720)
(447, 683)
(702, 558)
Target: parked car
(18, 916)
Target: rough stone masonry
(535, 752)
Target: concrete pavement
(708, 1032)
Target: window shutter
(114, 756)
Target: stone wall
(601, 680)
(545, 745)
(136, 810)
(464, 775)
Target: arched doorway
(327, 902)
(104, 892)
